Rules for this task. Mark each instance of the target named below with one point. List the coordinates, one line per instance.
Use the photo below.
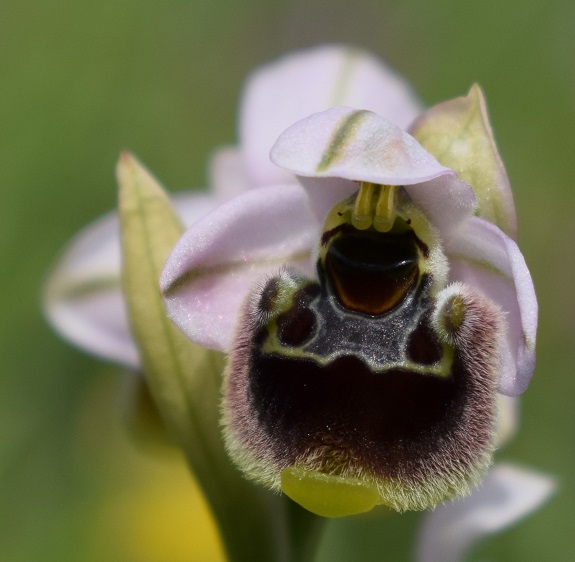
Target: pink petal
(312, 80)
(447, 201)
(483, 256)
(356, 145)
(507, 495)
(215, 263)
(83, 299)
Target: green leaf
(185, 379)
(457, 132)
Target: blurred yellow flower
(150, 508)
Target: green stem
(249, 518)
(305, 532)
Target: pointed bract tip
(125, 160)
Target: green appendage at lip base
(328, 495)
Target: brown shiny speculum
(371, 272)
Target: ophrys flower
(367, 346)
(271, 239)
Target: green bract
(457, 132)
(184, 378)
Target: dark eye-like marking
(372, 272)
(297, 325)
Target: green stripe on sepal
(344, 133)
(457, 132)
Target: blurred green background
(81, 81)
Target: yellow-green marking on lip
(328, 495)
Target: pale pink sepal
(309, 81)
(483, 256)
(227, 173)
(215, 263)
(82, 297)
(507, 494)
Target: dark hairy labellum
(363, 374)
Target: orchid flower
(372, 312)
(370, 317)
(365, 284)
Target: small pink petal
(507, 495)
(447, 201)
(215, 263)
(356, 145)
(483, 256)
(312, 80)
